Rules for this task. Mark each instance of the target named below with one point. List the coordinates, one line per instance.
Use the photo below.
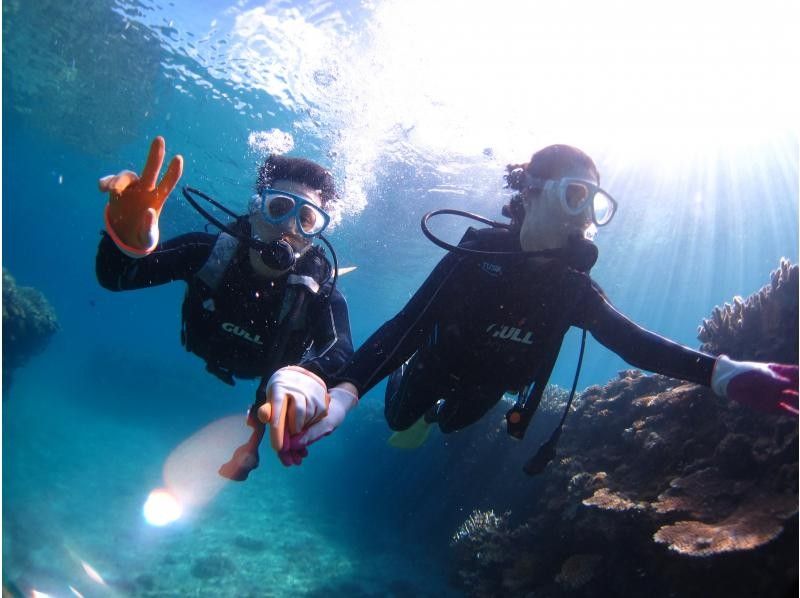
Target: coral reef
(28, 323)
(658, 487)
(578, 570)
(770, 315)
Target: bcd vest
(231, 319)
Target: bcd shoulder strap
(223, 252)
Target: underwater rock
(250, 544)
(28, 323)
(763, 327)
(578, 570)
(212, 566)
(659, 476)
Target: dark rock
(735, 455)
(28, 323)
(146, 582)
(250, 544)
(212, 566)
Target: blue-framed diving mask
(280, 208)
(575, 196)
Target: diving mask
(575, 196)
(281, 207)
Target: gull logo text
(492, 269)
(241, 332)
(510, 333)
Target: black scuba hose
(536, 464)
(335, 264)
(187, 193)
(581, 254)
(555, 253)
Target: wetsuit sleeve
(398, 339)
(642, 348)
(333, 342)
(177, 259)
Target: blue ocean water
(708, 206)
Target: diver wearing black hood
(492, 315)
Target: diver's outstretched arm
(765, 387)
(176, 259)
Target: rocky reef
(28, 323)
(658, 487)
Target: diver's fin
(412, 438)
(345, 270)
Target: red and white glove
(296, 398)
(766, 387)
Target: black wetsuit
(232, 327)
(481, 326)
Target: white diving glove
(296, 398)
(342, 401)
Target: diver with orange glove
(261, 296)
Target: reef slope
(659, 488)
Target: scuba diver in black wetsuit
(491, 317)
(260, 296)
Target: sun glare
(161, 508)
(449, 83)
(650, 73)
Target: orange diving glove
(135, 203)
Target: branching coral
(479, 526)
(763, 327)
(554, 399)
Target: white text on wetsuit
(510, 333)
(234, 329)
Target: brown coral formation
(676, 491)
(28, 323)
(746, 529)
(763, 327)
